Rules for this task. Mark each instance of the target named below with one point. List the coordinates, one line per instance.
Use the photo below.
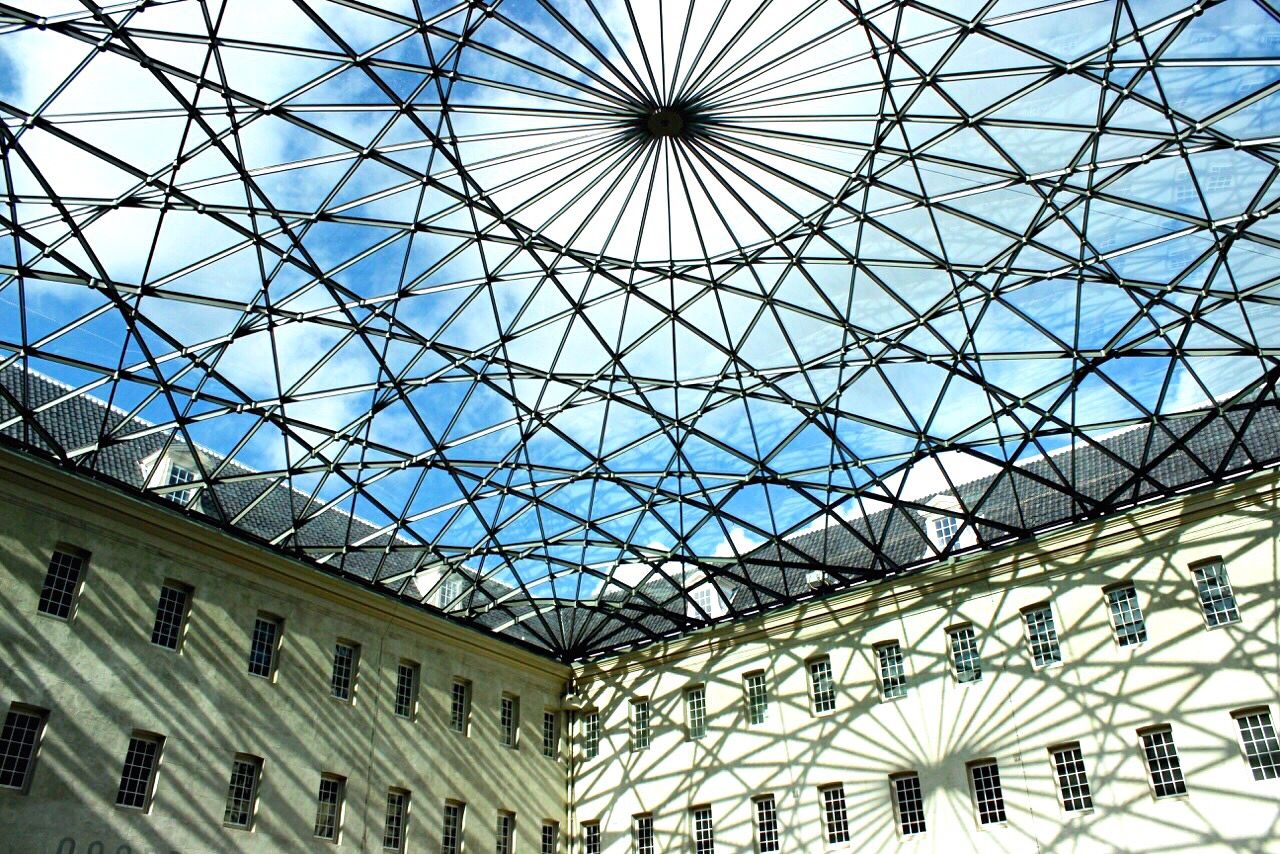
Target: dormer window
(450, 591)
(705, 600)
(177, 467)
(178, 475)
(943, 529)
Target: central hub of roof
(666, 121)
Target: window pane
(509, 720)
(695, 709)
(344, 670)
(451, 833)
(766, 824)
(987, 793)
(591, 838)
(18, 742)
(406, 689)
(550, 837)
(171, 610)
(893, 674)
(1162, 763)
(757, 698)
(909, 801)
(329, 807)
(642, 833)
(640, 725)
(1260, 745)
(262, 646)
(1042, 636)
(964, 655)
(835, 818)
(1073, 784)
(505, 833)
(704, 838)
(459, 706)
(393, 830)
(242, 791)
(58, 593)
(139, 768)
(1126, 616)
(591, 733)
(822, 686)
(1216, 597)
(550, 740)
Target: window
(1042, 636)
(591, 733)
(822, 688)
(944, 528)
(1216, 597)
(591, 837)
(835, 818)
(550, 837)
(509, 720)
(893, 673)
(766, 824)
(1073, 783)
(397, 822)
(695, 712)
(1258, 736)
(550, 739)
(242, 793)
(263, 645)
(642, 833)
(964, 655)
(346, 656)
(407, 688)
(505, 833)
(61, 584)
(908, 803)
(704, 834)
(139, 773)
(171, 614)
(1126, 616)
(639, 725)
(451, 833)
(988, 797)
(19, 744)
(757, 696)
(179, 475)
(704, 599)
(329, 806)
(460, 706)
(1162, 762)
(450, 591)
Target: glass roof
(615, 318)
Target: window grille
(18, 743)
(1042, 636)
(835, 817)
(591, 733)
(964, 655)
(757, 698)
(262, 646)
(908, 799)
(1162, 763)
(988, 796)
(639, 725)
(1217, 599)
(550, 837)
(1126, 616)
(591, 838)
(893, 673)
(766, 824)
(396, 822)
(704, 838)
(61, 581)
(822, 689)
(550, 741)
(695, 711)
(242, 791)
(407, 689)
(138, 772)
(1258, 735)
(451, 833)
(179, 475)
(459, 706)
(1073, 783)
(944, 529)
(171, 613)
(329, 807)
(642, 833)
(509, 719)
(344, 670)
(505, 833)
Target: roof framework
(604, 302)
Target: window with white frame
(908, 803)
(61, 584)
(943, 529)
(966, 665)
(695, 712)
(1217, 599)
(1042, 636)
(893, 671)
(550, 734)
(19, 745)
(640, 724)
(263, 645)
(346, 657)
(407, 678)
(396, 822)
(988, 795)
(1126, 616)
(1163, 765)
(1258, 738)
(450, 591)
(509, 720)
(460, 706)
(591, 733)
(756, 692)
(451, 829)
(550, 837)
(766, 814)
(242, 791)
(329, 807)
(137, 777)
(591, 837)
(171, 615)
(1073, 782)
(505, 832)
(642, 833)
(822, 687)
(704, 834)
(835, 816)
(178, 475)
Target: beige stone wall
(101, 678)
(1185, 675)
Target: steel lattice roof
(636, 316)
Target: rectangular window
(171, 615)
(642, 833)
(893, 672)
(1042, 636)
(757, 697)
(550, 736)
(137, 778)
(1217, 600)
(460, 706)
(329, 806)
(639, 725)
(766, 824)
(451, 832)
(1258, 736)
(1126, 616)
(397, 821)
(822, 687)
(1162, 762)
(908, 803)
(966, 665)
(346, 657)
(505, 833)
(835, 817)
(19, 745)
(591, 733)
(242, 792)
(61, 584)
(591, 837)
(407, 673)
(179, 475)
(988, 796)
(263, 645)
(704, 834)
(509, 720)
(1073, 783)
(550, 837)
(695, 712)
